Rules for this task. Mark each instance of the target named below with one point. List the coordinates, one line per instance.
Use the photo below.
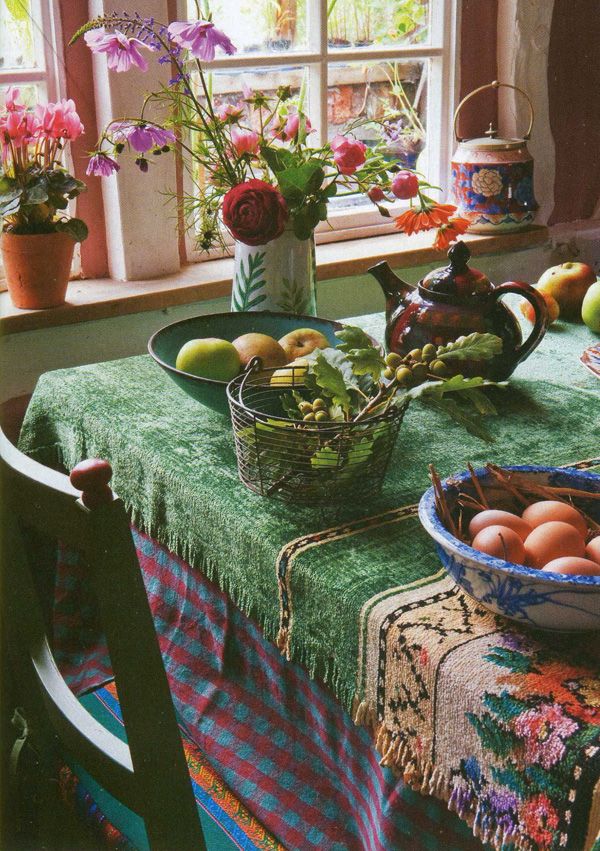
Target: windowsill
(105, 298)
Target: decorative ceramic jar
(37, 268)
(492, 178)
(278, 276)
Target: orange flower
(413, 221)
(449, 232)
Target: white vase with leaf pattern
(278, 276)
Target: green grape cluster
(315, 411)
(417, 366)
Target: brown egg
(549, 510)
(500, 542)
(553, 540)
(491, 517)
(577, 566)
(593, 549)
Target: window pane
(18, 36)
(29, 93)
(260, 26)
(358, 23)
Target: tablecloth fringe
(428, 779)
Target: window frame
(441, 50)
(47, 35)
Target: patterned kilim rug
(175, 469)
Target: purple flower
(101, 165)
(200, 38)
(142, 137)
(121, 52)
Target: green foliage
(472, 347)
(332, 374)
(504, 704)
(352, 338)
(493, 738)
(31, 204)
(515, 661)
(246, 294)
(76, 228)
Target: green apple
(209, 358)
(590, 309)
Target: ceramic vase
(37, 268)
(278, 276)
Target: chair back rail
(149, 774)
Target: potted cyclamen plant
(35, 189)
(261, 178)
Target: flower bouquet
(38, 236)
(250, 162)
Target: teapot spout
(395, 288)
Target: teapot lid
(457, 279)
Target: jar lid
(484, 143)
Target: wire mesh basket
(308, 463)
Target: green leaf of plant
(36, 193)
(304, 222)
(325, 457)
(472, 347)
(278, 159)
(76, 228)
(352, 338)
(330, 190)
(469, 421)
(366, 362)
(296, 183)
(333, 375)
(10, 196)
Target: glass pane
(17, 36)
(259, 26)
(29, 93)
(359, 23)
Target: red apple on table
(568, 284)
(551, 304)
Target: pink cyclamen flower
(244, 141)
(11, 98)
(376, 194)
(121, 52)
(201, 38)
(101, 165)
(348, 154)
(14, 127)
(143, 137)
(59, 120)
(230, 112)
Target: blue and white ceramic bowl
(544, 600)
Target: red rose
(254, 212)
(405, 185)
(348, 154)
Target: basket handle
(253, 365)
(494, 85)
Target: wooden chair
(149, 774)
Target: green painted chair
(147, 773)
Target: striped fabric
(278, 739)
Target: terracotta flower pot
(37, 268)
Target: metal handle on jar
(494, 85)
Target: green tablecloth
(174, 467)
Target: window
(387, 61)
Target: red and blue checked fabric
(278, 739)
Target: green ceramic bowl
(165, 344)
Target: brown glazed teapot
(454, 301)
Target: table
(175, 469)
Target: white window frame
(48, 51)
(440, 50)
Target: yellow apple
(568, 284)
(290, 376)
(303, 341)
(260, 345)
(590, 309)
(551, 304)
(209, 358)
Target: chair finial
(92, 477)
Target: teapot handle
(540, 311)
(494, 85)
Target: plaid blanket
(276, 739)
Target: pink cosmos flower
(59, 120)
(348, 154)
(230, 112)
(101, 165)
(121, 52)
(290, 129)
(201, 38)
(11, 98)
(142, 137)
(244, 141)
(544, 730)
